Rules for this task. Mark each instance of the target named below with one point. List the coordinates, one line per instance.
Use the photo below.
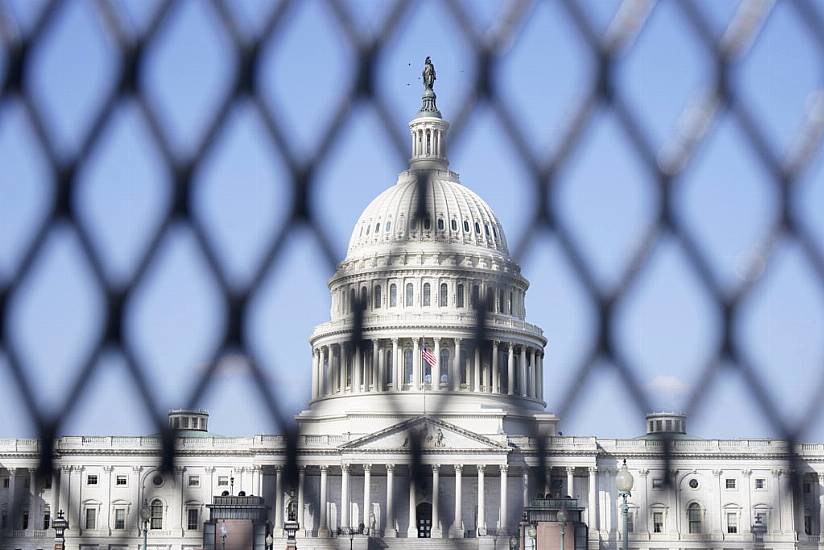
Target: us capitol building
(476, 409)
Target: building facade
(478, 411)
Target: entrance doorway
(423, 511)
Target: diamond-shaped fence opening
(179, 76)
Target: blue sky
(667, 325)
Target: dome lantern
(428, 128)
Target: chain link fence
(720, 98)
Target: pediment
(434, 435)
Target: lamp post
(270, 541)
(291, 527)
(562, 520)
(623, 482)
(145, 515)
(60, 524)
(513, 543)
(351, 539)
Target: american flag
(429, 357)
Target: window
(477, 228)
(91, 479)
(24, 521)
(120, 518)
(426, 294)
(376, 294)
(761, 517)
(377, 228)
(5, 483)
(732, 522)
(658, 522)
(393, 295)
(427, 223)
(223, 480)
(121, 481)
(454, 225)
(351, 300)
(363, 303)
(808, 525)
(693, 483)
(443, 366)
(443, 295)
(4, 520)
(476, 295)
(192, 519)
(27, 483)
(760, 483)
(407, 366)
(156, 521)
(730, 483)
(158, 479)
(466, 226)
(388, 226)
(440, 224)
(409, 295)
(184, 422)
(806, 488)
(47, 482)
(694, 515)
(91, 518)
(46, 519)
(194, 481)
(459, 296)
(388, 367)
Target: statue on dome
(428, 74)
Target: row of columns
(378, 372)
(426, 143)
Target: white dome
(456, 216)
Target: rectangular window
(732, 522)
(459, 296)
(657, 483)
(808, 525)
(730, 483)
(762, 517)
(760, 483)
(5, 483)
(91, 479)
(223, 481)
(27, 483)
(24, 523)
(476, 296)
(806, 488)
(393, 295)
(192, 516)
(47, 482)
(194, 481)
(4, 520)
(120, 518)
(46, 519)
(658, 522)
(91, 518)
(121, 481)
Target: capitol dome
(423, 280)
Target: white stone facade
(478, 414)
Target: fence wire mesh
(721, 97)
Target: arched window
(694, 513)
(443, 367)
(494, 233)
(428, 142)
(501, 300)
(454, 225)
(393, 295)
(476, 295)
(377, 227)
(407, 366)
(466, 226)
(440, 224)
(486, 230)
(409, 295)
(377, 297)
(368, 227)
(459, 295)
(443, 295)
(363, 302)
(156, 514)
(426, 294)
(351, 300)
(427, 222)
(388, 226)
(389, 372)
(477, 228)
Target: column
(65, 487)
(495, 374)
(134, 489)
(481, 502)
(381, 369)
(510, 371)
(820, 503)
(533, 377)
(377, 371)
(436, 524)
(12, 503)
(541, 375)
(746, 514)
(777, 523)
(367, 495)
(389, 530)
(570, 482)
(315, 356)
(73, 513)
(457, 530)
(301, 479)
(456, 366)
(55, 493)
(323, 526)
(504, 509)
(412, 530)
(396, 380)
(643, 502)
(477, 370)
(436, 377)
(526, 487)
(416, 364)
(278, 501)
(523, 372)
(592, 502)
(33, 500)
(180, 470)
(357, 364)
(341, 368)
(345, 503)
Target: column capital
(458, 468)
(367, 467)
(570, 469)
(107, 468)
(135, 469)
(209, 469)
(390, 467)
(323, 467)
(181, 469)
(481, 468)
(592, 470)
(777, 472)
(504, 468)
(436, 467)
(746, 473)
(344, 467)
(717, 473)
(277, 467)
(643, 472)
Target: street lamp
(351, 539)
(270, 541)
(513, 542)
(145, 515)
(60, 524)
(291, 527)
(623, 482)
(562, 518)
